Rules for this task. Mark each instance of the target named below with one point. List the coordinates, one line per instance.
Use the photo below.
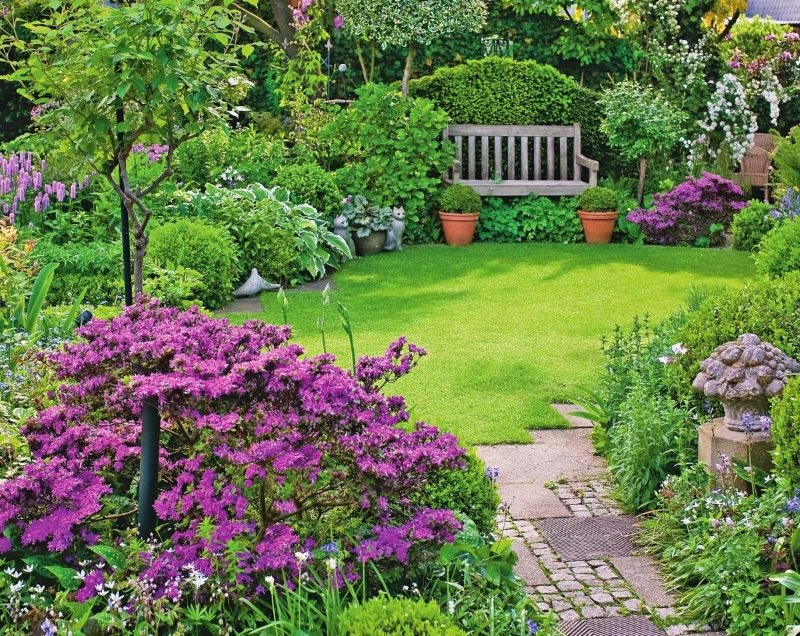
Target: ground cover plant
(531, 313)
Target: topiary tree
(409, 23)
(146, 71)
(641, 124)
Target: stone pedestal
(717, 439)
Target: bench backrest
(515, 153)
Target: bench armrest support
(591, 165)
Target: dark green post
(148, 468)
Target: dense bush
(786, 433)
(95, 267)
(460, 198)
(780, 250)
(203, 247)
(787, 159)
(311, 184)
(598, 199)
(532, 218)
(751, 225)
(696, 212)
(265, 451)
(470, 492)
(387, 616)
(284, 241)
(389, 148)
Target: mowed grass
(509, 328)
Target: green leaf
(247, 50)
(67, 577)
(40, 288)
(112, 556)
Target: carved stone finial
(743, 375)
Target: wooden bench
(510, 161)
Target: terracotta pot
(459, 228)
(598, 226)
(372, 243)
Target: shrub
(262, 446)
(598, 199)
(311, 184)
(786, 433)
(364, 218)
(696, 212)
(460, 199)
(202, 247)
(389, 148)
(532, 218)
(174, 286)
(284, 241)
(386, 616)
(780, 250)
(470, 492)
(751, 225)
(787, 158)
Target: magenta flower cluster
(22, 182)
(687, 212)
(262, 449)
(154, 152)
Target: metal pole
(148, 469)
(126, 240)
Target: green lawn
(509, 328)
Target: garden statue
(743, 375)
(394, 240)
(254, 285)
(342, 228)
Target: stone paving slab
(576, 422)
(531, 501)
(528, 565)
(642, 574)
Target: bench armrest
(591, 164)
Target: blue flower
(793, 505)
(533, 627)
(330, 548)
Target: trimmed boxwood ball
(387, 616)
(310, 183)
(786, 433)
(460, 199)
(598, 199)
(779, 252)
(203, 247)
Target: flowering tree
(265, 455)
(409, 23)
(166, 64)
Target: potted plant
(368, 223)
(597, 209)
(460, 211)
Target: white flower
(678, 349)
(330, 563)
(451, 606)
(271, 582)
(301, 557)
(16, 587)
(666, 359)
(12, 572)
(686, 521)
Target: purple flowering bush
(266, 455)
(696, 212)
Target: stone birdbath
(743, 375)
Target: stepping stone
(527, 567)
(244, 306)
(590, 537)
(531, 501)
(642, 574)
(615, 626)
(575, 422)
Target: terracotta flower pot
(598, 226)
(459, 228)
(372, 243)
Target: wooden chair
(755, 165)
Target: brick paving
(557, 510)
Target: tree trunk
(139, 250)
(407, 70)
(642, 176)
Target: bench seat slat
(521, 188)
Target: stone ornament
(254, 285)
(743, 375)
(341, 228)
(394, 239)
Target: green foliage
(640, 122)
(95, 267)
(311, 184)
(390, 149)
(388, 616)
(779, 252)
(749, 37)
(205, 248)
(284, 241)
(460, 198)
(532, 218)
(786, 158)
(469, 492)
(786, 433)
(176, 286)
(752, 224)
(598, 199)
(229, 157)
(364, 218)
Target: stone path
(575, 546)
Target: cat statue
(342, 228)
(394, 239)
